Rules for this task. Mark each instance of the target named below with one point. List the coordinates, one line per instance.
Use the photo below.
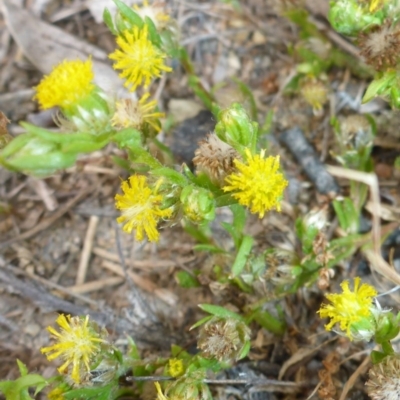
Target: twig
(306, 156)
(96, 285)
(350, 383)
(87, 250)
(256, 383)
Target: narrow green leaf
(220, 312)
(154, 36)
(128, 13)
(108, 20)
(242, 255)
(186, 280)
(201, 322)
(49, 162)
(245, 350)
(16, 144)
(377, 86)
(172, 175)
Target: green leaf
(377, 86)
(200, 91)
(16, 144)
(77, 146)
(225, 200)
(269, 322)
(201, 322)
(199, 232)
(129, 14)
(142, 156)
(347, 214)
(18, 389)
(129, 138)
(172, 175)
(23, 370)
(245, 350)
(220, 312)
(186, 280)
(133, 350)
(242, 255)
(108, 20)
(239, 217)
(57, 137)
(98, 393)
(377, 357)
(50, 162)
(154, 36)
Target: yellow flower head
(257, 183)
(67, 84)
(348, 307)
(140, 206)
(175, 367)
(78, 343)
(135, 114)
(139, 60)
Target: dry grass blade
(374, 256)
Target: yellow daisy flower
(139, 60)
(135, 114)
(348, 307)
(78, 343)
(67, 84)
(257, 183)
(140, 206)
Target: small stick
(306, 156)
(87, 250)
(96, 285)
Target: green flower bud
(349, 18)
(198, 204)
(387, 326)
(236, 128)
(189, 388)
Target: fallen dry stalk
(373, 255)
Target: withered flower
(380, 47)
(215, 158)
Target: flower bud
(348, 17)
(188, 388)
(198, 204)
(314, 93)
(236, 128)
(387, 325)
